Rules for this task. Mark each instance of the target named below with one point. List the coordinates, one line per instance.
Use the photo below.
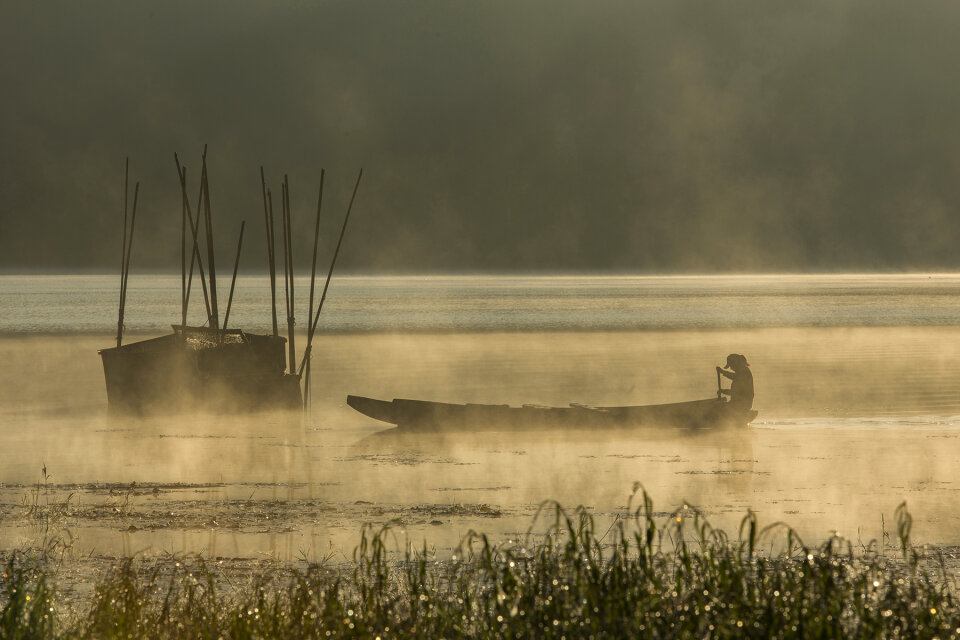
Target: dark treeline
(619, 135)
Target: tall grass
(677, 578)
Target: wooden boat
(212, 367)
(420, 415)
(200, 368)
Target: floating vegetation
(641, 577)
(408, 458)
(483, 510)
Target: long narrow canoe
(421, 415)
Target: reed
(642, 578)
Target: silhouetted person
(741, 387)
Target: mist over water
(86, 303)
(856, 381)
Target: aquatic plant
(673, 578)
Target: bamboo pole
(313, 278)
(271, 252)
(196, 244)
(316, 241)
(333, 262)
(233, 281)
(286, 294)
(133, 222)
(194, 223)
(291, 319)
(183, 252)
(214, 313)
(126, 267)
(123, 250)
(286, 261)
(307, 399)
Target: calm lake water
(88, 304)
(858, 389)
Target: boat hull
(180, 372)
(420, 415)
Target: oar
(719, 386)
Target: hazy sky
(627, 135)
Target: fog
(852, 422)
(654, 136)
